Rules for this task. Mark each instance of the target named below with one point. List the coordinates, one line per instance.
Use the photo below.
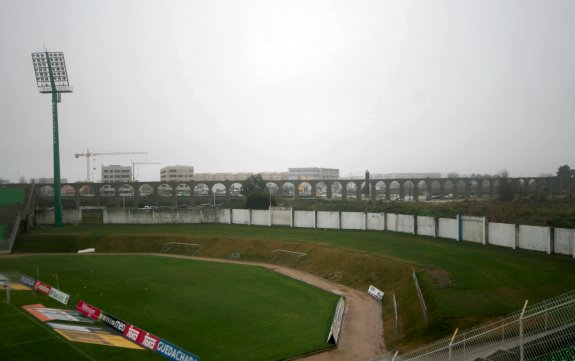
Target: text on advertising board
(28, 281)
(175, 353)
(114, 322)
(42, 287)
(88, 310)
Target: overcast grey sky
(239, 86)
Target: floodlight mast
(58, 83)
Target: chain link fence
(541, 332)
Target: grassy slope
(478, 282)
(173, 298)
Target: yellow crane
(89, 154)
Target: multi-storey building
(312, 173)
(116, 174)
(410, 175)
(177, 173)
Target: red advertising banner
(88, 310)
(141, 337)
(42, 287)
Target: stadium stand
(15, 206)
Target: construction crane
(88, 154)
(134, 168)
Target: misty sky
(241, 86)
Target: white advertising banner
(375, 293)
(59, 295)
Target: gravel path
(361, 337)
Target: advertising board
(174, 353)
(59, 295)
(114, 322)
(28, 281)
(375, 293)
(88, 310)
(42, 287)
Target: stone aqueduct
(138, 194)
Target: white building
(177, 173)
(409, 175)
(311, 173)
(116, 174)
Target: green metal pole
(56, 150)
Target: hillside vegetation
(463, 283)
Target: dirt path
(361, 336)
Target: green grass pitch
(217, 311)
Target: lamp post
(52, 78)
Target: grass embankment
(217, 311)
(464, 283)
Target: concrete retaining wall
(502, 234)
(304, 219)
(69, 216)
(447, 228)
(328, 220)
(535, 238)
(564, 241)
(426, 226)
(352, 220)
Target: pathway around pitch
(362, 333)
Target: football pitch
(214, 310)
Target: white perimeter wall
(502, 234)
(392, 221)
(426, 226)
(534, 238)
(472, 229)
(564, 241)
(447, 228)
(406, 223)
(260, 217)
(304, 219)
(375, 221)
(240, 216)
(352, 220)
(328, 220)
(281, 217)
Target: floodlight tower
(52, 78)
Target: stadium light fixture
(52, 78)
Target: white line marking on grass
(27, 342)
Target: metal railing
(529, 334)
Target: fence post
(385, 227)
(459, 227)
(485, 231)
(521, 346)
(451, 342)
